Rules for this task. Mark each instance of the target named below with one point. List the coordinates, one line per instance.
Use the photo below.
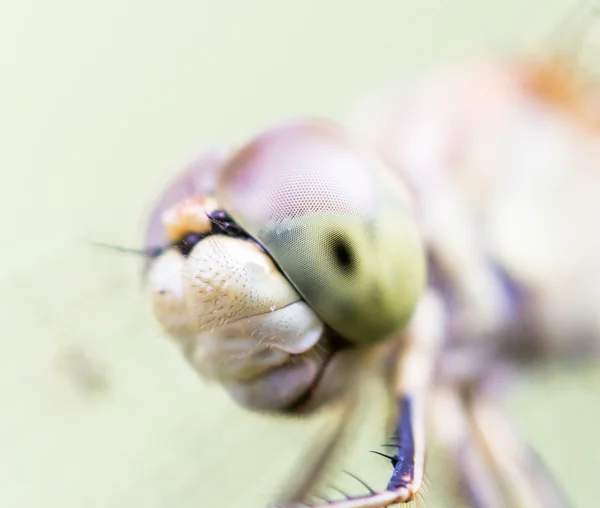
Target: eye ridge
(342, 252)
(221, 224)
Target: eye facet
(335, 222)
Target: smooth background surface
(99, 101)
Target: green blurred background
(99, 102)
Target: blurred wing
(568, 72)
(577, 36)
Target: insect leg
(475, 483)
(520, 473)
(313, 471)
(415, 368)
(353, 370)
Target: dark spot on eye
(343, 253)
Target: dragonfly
(441, 238)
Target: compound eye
(334, 220)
